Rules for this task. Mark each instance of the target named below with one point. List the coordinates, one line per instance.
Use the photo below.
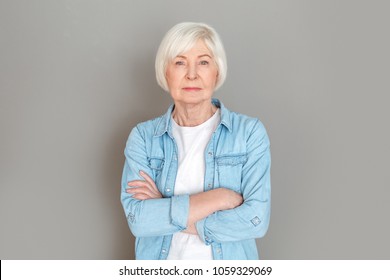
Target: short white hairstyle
(181, 38)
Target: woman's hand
(205, 203)
(143, 190)
(229, 198)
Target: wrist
(229, 199)
(223, 198)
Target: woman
(196, 181)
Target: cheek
(170, 80)
(212, 78)
(173, 78)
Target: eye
(179, 62)
(204, 62)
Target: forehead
(198, 48)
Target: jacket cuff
(202, 232)
(180, 205)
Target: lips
(191, 88)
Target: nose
(192, 73)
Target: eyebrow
(202, 55)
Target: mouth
(191, 89)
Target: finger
(151, 183)
(136, 183)
(143, 191)
(139, 184)
(140, 196)
(149, 180)
(140, 190)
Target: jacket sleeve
(152, 217)
(251, 219)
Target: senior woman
(196, 181)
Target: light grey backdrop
(76, 76)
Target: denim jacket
(237, 157)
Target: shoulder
(149, 126)
(145, 131)
(250, 132)
(238, 122)
(247, 125)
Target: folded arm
(250, 219)
(148, 213)
(201, 204)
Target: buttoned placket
(217, 251)
(165, 247)
(170, 191)
(209, 184)
(209, 172)
(172, 172)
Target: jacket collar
(164, 125)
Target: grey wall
(76, 76)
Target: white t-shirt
(191, 143)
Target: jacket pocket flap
(156, 163)
(231, 159)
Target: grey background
(76, 76)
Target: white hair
(182, 37)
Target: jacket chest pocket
(156, 166)
(229, 168)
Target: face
(192, 75)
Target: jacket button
(256, 221)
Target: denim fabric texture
(237, 157)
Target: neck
(193, 114)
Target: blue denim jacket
(237, 157)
